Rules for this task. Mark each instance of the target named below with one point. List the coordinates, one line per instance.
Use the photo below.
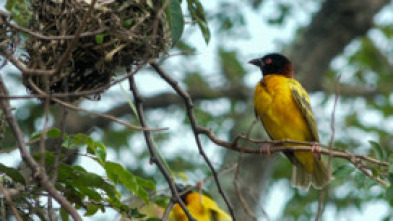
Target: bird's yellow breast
(278, 110)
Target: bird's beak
(256, 62)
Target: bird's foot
(316, 150)
(265, 149)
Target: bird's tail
(302, 179)
(320, 177)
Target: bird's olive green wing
(303, 101)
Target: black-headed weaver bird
(200, 206)
(283, 106)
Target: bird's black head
(274, 64)
(183, 191)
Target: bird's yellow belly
(280, 115)
(283, 119)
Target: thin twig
(109, 117)
(23, 67)
(168, 210)
(353, 158)
(320, 203)
(42, 177)
(153, 154)
(47, 37)
(9, 201)
(75, 93)
(195, 128)
(224, 171)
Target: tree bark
(331, 30)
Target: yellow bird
(200, 206)
(283, 106)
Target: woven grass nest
(135, 31)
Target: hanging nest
(134, 32)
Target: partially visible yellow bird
(200, 206)
(283, 106)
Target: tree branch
(153, 154)
(7, 197)
(189, 107)
(42, 177)
(72, 107)
(321, 41)
(356, 159)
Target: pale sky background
(258, 44)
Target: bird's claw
(316, 150)
(265, 149)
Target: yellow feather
(283, 106)
(201, 207)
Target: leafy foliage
(88, 190)
(20, 11)
(176, 20)
(198, 15)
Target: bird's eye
(268, 61)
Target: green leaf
(51, 132)
(79, 178)
(343, 171)
(196, 82)
(64, 214)
(389, 191)
(231, 67)
(91, 210)
(91, 193)
(99, 150)
(153, 219)
(13, 173)
(77, 141)
(359, 180)
(283, 13)
(100, 38)
(175, 19)
(128, 23)
(20, 10)
(146, 183)
(198, 14)
(205, 30)
(93, 147)
(134, 184)
(161, 201)
(387, 30)
(378, 150)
